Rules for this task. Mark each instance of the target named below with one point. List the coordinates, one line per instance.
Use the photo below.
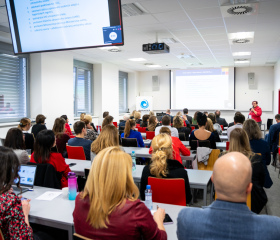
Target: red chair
(170, 191)
(192, 128)
(72, 136)
(142, 129)
(222, 126)
(227, 145)
(75, 152)
(150, 135)
(115, 124)
(138, 125)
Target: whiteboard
(244, 99)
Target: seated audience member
(153, 123)
(209, 127)
(151, 113)
(45, 140)
(91, 134)
(89, 118)
(185, 120)
(228, 217)
(168, 112)
(105, 114)
(238, 123)
(201, 133)
(178, 123)
(273, 138)
(206, 113)
(125, 118)
(15, 141)
(163, 166)
(194, 121)
(108, 137)
(24, 126)
(177, 145)
(137, 117)
(145, 120)
(61, 137)
(67, 126)
(239, 142)
(132, 114)
(129, 132)
(114, 211)
(14, 211)
(166, 122)
(79, 141)
(186, 112)
(39, 126)
(219, 120)
(258, 145)
(232, 123)
(107, 121)
(216, 125)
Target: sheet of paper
(48, 196)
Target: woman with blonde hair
(153, 123)
(209, 127)
(178, 123)
(129, 132)
(137, 117)
(258, 145)
(109, 207)
(108, 138)
(239, 142)
(60, 136)
(89, 118)
(24, 126)
(163, 166)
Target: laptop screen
(27, 175)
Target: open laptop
(27, 178)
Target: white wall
(276, 85)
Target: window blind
(13, 103)
(123, 76)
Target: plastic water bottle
(148, 197)
(98, 129)
(133, 156)
(72, 186)
(71, 127)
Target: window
(13, 75)
(123, 76)
(82, 88)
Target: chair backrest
(47, 176)
(269, 123)
(182, 136)
(199, 143)
(170, 191)
(121, 128)
(222, 126)
(227, 145)
(248, 202)
(86, 173)
(115, 124)
(76, 152)
(77, 236)
(193, 127)
(150, 135)
(129, 142)
(142, 129)
(137, 125)
(211, 161)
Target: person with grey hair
(125, 118)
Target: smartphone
(167, 219)
(23, 198)
(72, 164)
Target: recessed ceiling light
(242, 61)
(153, 66)
(240, 35)
(137, 59)
(237, 54)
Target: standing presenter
(256, 113)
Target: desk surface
(59, 211)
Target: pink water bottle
(72, 186)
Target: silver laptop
(27, 175)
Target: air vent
(241, 41)
(239, 10)
(242, 60)
(234, 10)
(132, 9)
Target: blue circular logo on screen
(144, 104)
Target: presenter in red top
(256, 113)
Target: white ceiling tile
(204, 13)
(207, 23)
(160, 6)
(171, 16)
(191, 4)
(211, 31)
(139, 20)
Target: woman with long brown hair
(209, 127)
(178, 123)
(129, 132)
(107, 121)
(239, 142)
(162, 165)
(61, 137)
(108, 138)
(153, 123)
(109, 207)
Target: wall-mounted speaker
(155, 82)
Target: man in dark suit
(219, 120)
(189, 118)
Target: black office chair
(129, 142)
(182, 136)
(121, 128)
(199, 143)
(195, 125)
(269, 123)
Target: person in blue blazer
(130, 132)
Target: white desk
(58, 212)
(224, 132)
(224, 138)
(199, 179)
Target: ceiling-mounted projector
(155, 48)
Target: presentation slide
(41, 25)
(203, 89)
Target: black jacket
(185, 130)
(175, 170)
(189, 118)
(29, 141)
(222, 121)
(38, 128)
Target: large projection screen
(203, 89)
(51, 25)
